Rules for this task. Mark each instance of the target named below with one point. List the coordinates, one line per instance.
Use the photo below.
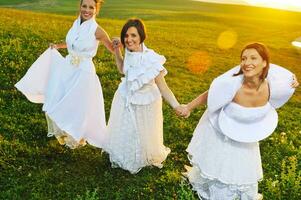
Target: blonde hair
(98, 4)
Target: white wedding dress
(224, 169)
(135, 127)
(70, 89)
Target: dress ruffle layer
(141, 68)
(212, 188)
(219, 162)
(150, 66)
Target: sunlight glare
(281, 4)
(227, 39)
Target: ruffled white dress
(224, 169)
(70, 89)
(135, 127)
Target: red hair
(262, 50)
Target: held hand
(53, 46)
(178, 110)
(116, 43)
(182, 110)
(185, 111)
(295, 82)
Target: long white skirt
(136, 135)
(222, 168)
(72, 98)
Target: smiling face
(133, 34)
(132, 39)
(252, 64)
(87, 9)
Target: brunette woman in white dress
(135, 127)
(224, 150)
(69, 87)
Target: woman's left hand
(295, 82)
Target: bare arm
(200, 100)
(103, 37)
(166, 92)
(118, 56)
(62, 45)
(184, 110)
(119, 60)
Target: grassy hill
(33, 166)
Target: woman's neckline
(249, 107)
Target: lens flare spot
(199, 62)
(227, 39)
(297, 42)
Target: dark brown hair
(98, 4)
(264, 54)
(138, 24)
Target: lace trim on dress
(206, 186)
(234, 187)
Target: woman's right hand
(295, 82)
(116, 43)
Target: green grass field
(33, 166)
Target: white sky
(294, 5)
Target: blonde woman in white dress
(135, 127)
(69, 87)
(224, 150)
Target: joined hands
(182, 111)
